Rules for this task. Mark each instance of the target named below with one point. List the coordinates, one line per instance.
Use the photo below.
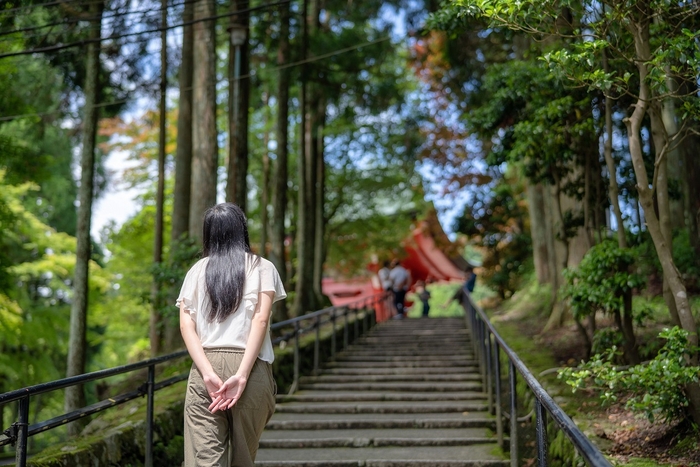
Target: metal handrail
(326, 316)
(488, 345)
(18, 433)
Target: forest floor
(626, 437)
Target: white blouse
(234, 330)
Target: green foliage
(496, 224)
(686, 260)
(606, 339)
(36, 273)
(655, 388)
(601, 280)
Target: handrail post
(541, 429)
(22, 433)
(489, 368)
(356, 325)
(513, 417)
(295, 382)
(333, 337)
(373, 316)
(317, 343)
(345, 329)
(482, 353)
(149, 415)
(365, 313)
(499, 414)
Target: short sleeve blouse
(261, 276)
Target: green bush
(655, 388)
(601, 280)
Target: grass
(441, 303)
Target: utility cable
(280, 67)
(55, 48)
(72, 20)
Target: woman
(225, 305)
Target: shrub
(654, 388)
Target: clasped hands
(224, 395)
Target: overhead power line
(280, 67)
(73, 20)
(47, 4)
(55, 48)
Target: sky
(116, 203)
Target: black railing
(19, 432)
(488, 345)
(362, 310)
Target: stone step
(386, 386)
(442, 370)
(466, 363)
(427, 361)
(412, 351)
(338, 396)
(302, 439)
(292, 421)
(364, 378)
(479, 455)
(409, 340)
(427, 344)
(431, 406)
(433, 354)
(407, 394)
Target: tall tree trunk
(551, 239)
(205, 151)
(587, 216)
(563, 238)
(692, 171)
(265, 183)
(613, 190)
(663, 202)
(155, 321)
(640, 34)
(180, 219)
(183, 153)
(556, 318)
(77, 346)
(278, 233)
(320, 218)
(540, 252)
(319, 169)
(239, 84)
(304, 298)
(674, 157)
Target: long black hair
(225, 242)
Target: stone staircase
(406, 394)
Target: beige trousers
(227, 438)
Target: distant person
(384, 278)
(424, 297)
(400, 280)
(225, 306)
(470, 283)
(465, 289)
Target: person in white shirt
(400, 281)
(383, 275)
(225, 305)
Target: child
(424, 296)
